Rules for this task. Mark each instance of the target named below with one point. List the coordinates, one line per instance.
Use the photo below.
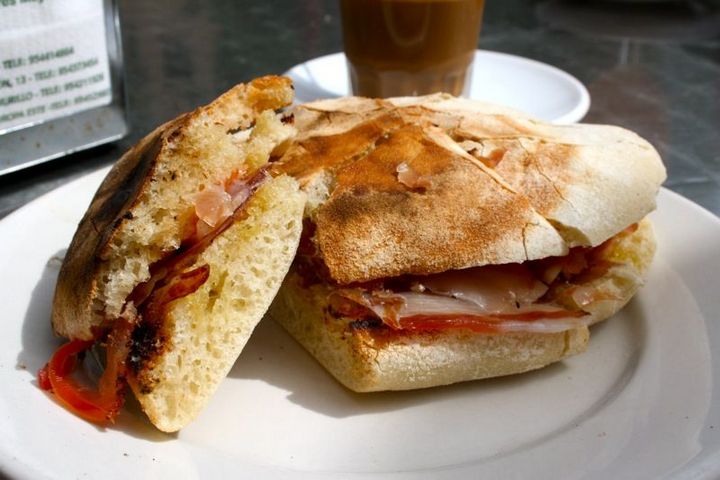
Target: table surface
(652, 67)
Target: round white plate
(537, 88)
(641, 403)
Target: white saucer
(539, 89)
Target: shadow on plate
(39, 343)
(272, 356)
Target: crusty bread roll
(139, 212)
(368, 358)
(144, 211)
(424, 185)
(386, 192)
(501, 188)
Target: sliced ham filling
(488, 299)
(492, 299)
(213, 222)
(216, 209)
(410, 178)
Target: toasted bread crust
(373, 224)
(496, 186)
(79, 302)
(76, 287)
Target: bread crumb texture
(209, 328)
(200, 150)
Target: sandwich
(448, 240)
(178, 257)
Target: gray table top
(649, 66)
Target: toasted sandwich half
(448, 240)
(178, 257)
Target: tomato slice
(95, 406)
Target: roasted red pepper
(98, 406)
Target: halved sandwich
(178, 257)
(448, 240)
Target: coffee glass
(410, 47)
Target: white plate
(539, 89)
(643, 402)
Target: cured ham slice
(410, 178)
(213, 205)
(501, 298)
(493, 288)
(491, 298)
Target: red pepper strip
(191, 249)
(102, 405)
(477, 323)
(180, 285)
(419, 323)
(98, 407)
(117, 348)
